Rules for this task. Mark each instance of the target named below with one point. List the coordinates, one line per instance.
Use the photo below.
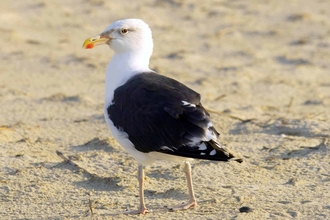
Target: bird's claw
(139, 211)
(182, 206)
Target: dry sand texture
(262, 67)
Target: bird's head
(122, 36)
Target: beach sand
(262, 68)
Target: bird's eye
(124, 31)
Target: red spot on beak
(89, 46)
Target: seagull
(153, 117)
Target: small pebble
(245, 209)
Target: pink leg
(192, 200)
(142, 208)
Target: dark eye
(124, 31)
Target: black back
(149, 108)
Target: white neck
(122, 67)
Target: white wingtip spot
(202, 154)
(166, 148)
(213, 153)
(188, 104)
(202, 147)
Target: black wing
(160, 114)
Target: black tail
(210, 150)
(222, 152)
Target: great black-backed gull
(150, 115)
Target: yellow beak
(91, 42)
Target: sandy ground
(262, 68)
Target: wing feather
(161, 114)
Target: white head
(128, 35)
